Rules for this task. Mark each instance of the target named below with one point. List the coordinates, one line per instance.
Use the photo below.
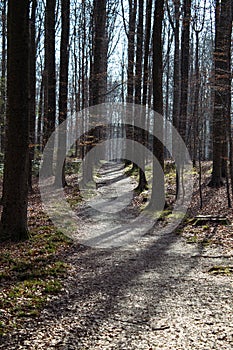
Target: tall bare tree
(185, 54)
(131, 51)
(3, 78)
(49, 79)
(222, 87)
(100, 50)
(158, 148)
(147, 51)
(142, 183)
(15, 183)
(63, 86)
(32, 88)
(175, 24)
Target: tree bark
(3, 79)
(147, 52)
(39, 140)
(176, 67)
(63, 89)
(222, 87)
(49, 82)
(185, 46)
(32, 88)
(131, 51)
(142, 183)
(100, 49)
(139, 50)
(15, 182)
(158, 195)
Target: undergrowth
(30, 274)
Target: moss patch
(31, 272)
(221, 270)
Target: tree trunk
(222, 87)
(100, 49)
(158, 195)
(39, 140)
(3, 80)
(84, 103)
(63, 90)
(176, 67)
(49, 82)
(196, 118)
(139, 50)
(142, 183)
(15, 181)
(131, 49)
(98, 73)
(32, 92)
(185, 68)
(146, 52)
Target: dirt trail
(106, 218)
(152, 294)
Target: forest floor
(164, 291)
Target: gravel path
(105, 219)
(153, 294)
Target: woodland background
(59, 57)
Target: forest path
(152, 294)
(104, 219)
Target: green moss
(47, 235)
(205, 242)
(165, 214)
(53, 287)
(221, 270)
(132, 171)
(72, 167)
(176, 215)
(6, 258)
(74, 201)
(193, 239)
(38, 268)
(2, 328)
(29, 297)
(33, 271)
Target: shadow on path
(136, 297)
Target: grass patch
(27, 298)
(205, 242)
(2, 327)
(74, 201)
(169, 166)
(31, 272)
(72, 166)
(132, 171)
(165, 214)
(193, 239)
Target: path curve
(153, 294)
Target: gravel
(150, 296)
(153, 294)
